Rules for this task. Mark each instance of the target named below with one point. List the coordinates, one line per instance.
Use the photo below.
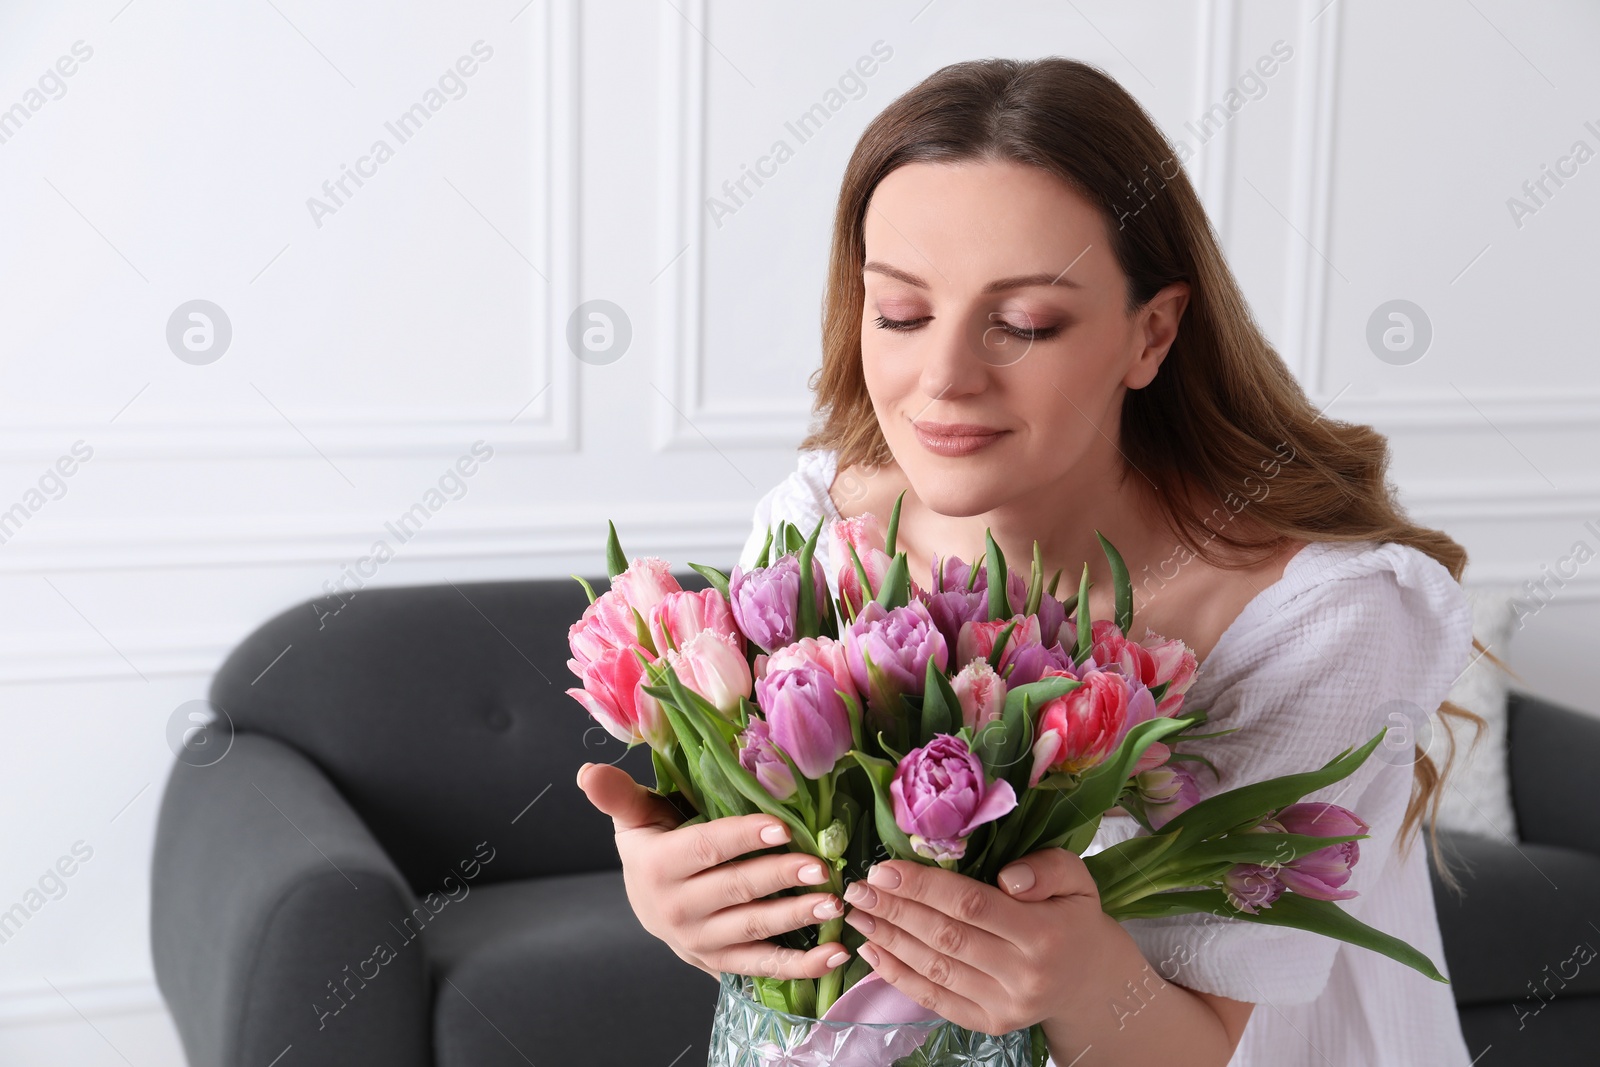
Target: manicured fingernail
(776, 834)
(827, 909)
(1017, 878)
(869, 953)
(887, 877)
(861, 895)
(862, 921)
(585, 767)
(813, 874)
(837, 959)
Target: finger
(947, 1003)
(731, 884)
(709, 844)
(967, 974)
(1049, 872)
(630, 805)
(967, 899)
(774, 961)
(763, 919)
(935, 931)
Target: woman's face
(994, 340)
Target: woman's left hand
(986, 958)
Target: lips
(955, 438)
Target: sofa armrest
(270, 907)
(1553, 754)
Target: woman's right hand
(689, 889)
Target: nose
(952, 360)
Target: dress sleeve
(801, 498)
(1324, 670)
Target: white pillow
(1477, 790)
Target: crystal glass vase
(747, 1033)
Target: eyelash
(1021, 334)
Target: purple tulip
(1250, 886)
(900, 642)
(807, 717)
(940, 796)
(1032, 662)
(759, 756)
(1167, 791)
(766, 601)
(951, 609)
(1320, 874)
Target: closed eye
(1015, 331)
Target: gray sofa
(393, 865)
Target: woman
(1029, 327)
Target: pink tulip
(681, 615)
(605, 625)
(1079, 730)
(981, 692)
(866, 535)
(977, 639)
(823, 653)
(1174, 664)
(760, 756)
(1113, 651)
(643, 585)
(807, 717)
(940, 796)
(610, 693)
(710, 664)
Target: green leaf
(1045, 689)
(896, 591)
(1051, 588)
(766, 549)
(1291, 910)
(995, 564)
(941, 708)
(867, 592)
(999, 649)
(1085, 634)
(1265, 847)
(715, 784)
(1224, 811)
(892, 533)
(588, 590)
(794, 540)
(1035, 583)
(1101, 785)
(807, 624)
(718, 580)
(880, 773)
(1127, 859)
(1121, 585)
(616, 562)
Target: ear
(1155, 330)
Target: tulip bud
(834, 840)
(981, 692)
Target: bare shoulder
(1202, 600)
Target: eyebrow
(1021, 281)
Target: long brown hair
(1224, 411)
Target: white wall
(373, 345)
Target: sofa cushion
(558, 970)
(440, 713)
(1523, 922)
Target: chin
(959, 487)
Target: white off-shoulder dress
(1313, 665)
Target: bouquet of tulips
(964, 725)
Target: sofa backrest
(440, 713)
